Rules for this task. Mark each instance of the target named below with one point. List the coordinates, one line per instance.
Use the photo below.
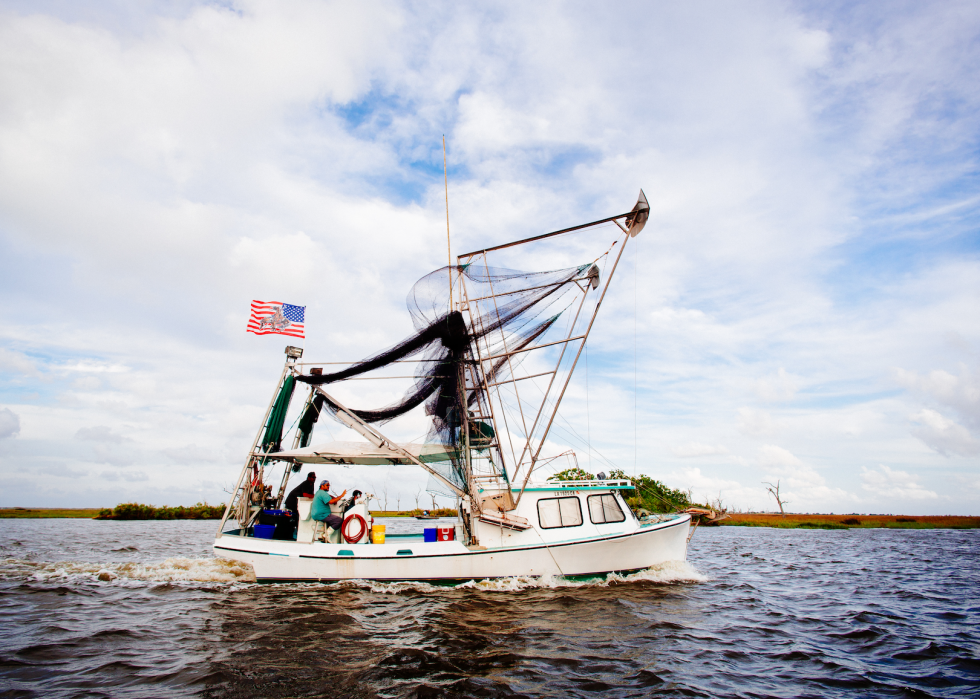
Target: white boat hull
(411, 559)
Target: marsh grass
(47, 513)
(796, 521)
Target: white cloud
(801, 484)
(129, 476)
(753, 422)
(191, 454)
(771, 456)
(107, 455)
(294, 260)
(86, 383)
(900, 485)
(709, 489)
(17, 363)
(92, 367)
(959, 393)
(99, 433)
(60, 470)
(695, 449)
(777, 387)
(944, 435)
(9, 423)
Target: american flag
(275, 318)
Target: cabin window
(559, 512)
(604, 509)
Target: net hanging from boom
(515, 311)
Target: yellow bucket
(378, 534)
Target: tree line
(135, 510)
(649, 494)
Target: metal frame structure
(630, 223)
(473, 377)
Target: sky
(803, 305)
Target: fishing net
(504, 311)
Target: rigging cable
(588, 418)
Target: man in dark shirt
(306, 489)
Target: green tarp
(273, 429)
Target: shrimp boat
(494, 352)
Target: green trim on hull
(444, 582)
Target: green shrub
(135, 510)
(649, 494)
(572, 474)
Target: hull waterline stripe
(577, 576)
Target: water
(141, 609)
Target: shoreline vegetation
(438, 512)
(136, 511)
(48, 513)
(851, 521)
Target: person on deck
(353, 500)
(321, 506)
(306, 489)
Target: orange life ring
(360, 532)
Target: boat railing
(618, 483)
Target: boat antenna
(449, 248)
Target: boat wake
(171, 570)
(666, 573)
(221, 571)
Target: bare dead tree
(418, 494)
(718, 504)
(774, 491)
(398, 503)
(384, 494)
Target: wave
(223, 571)
(172, 570)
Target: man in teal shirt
(321, 506)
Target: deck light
(294, 352)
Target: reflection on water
(141, 609)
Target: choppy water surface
(142, 609)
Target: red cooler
(445, 533)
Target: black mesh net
(506, 310)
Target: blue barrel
(430, 535)
(265, 531)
